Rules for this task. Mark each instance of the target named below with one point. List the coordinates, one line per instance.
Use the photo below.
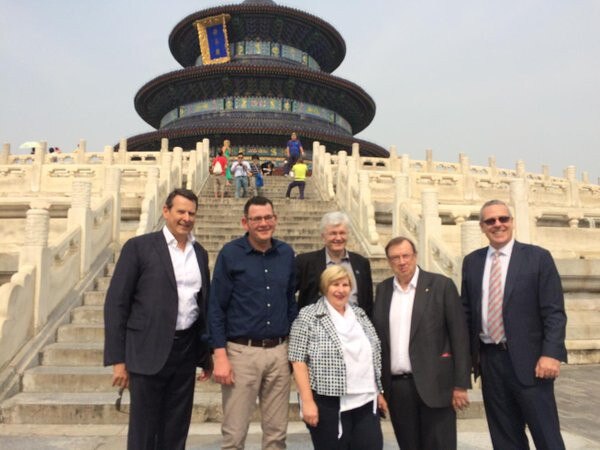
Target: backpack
(218, 168)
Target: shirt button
(268, 287)
(268, 322)
(266, 270)
(268, 305)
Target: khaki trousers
(263, 373)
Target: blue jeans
(241, 184)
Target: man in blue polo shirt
(250, 312)
(293, 151)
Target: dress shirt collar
(411, 285)
(329, 261)
(171, 239)
(506, 250)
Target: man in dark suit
(425, 354)
(154, 315)
(518, 341)
(310, 266)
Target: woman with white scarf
(336, 356)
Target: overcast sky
(517, 79)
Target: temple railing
(97, 187)
(543, 205)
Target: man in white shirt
(514, 303)
(154, 317)
(240, 170)
(425, 351)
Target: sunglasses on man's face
(492, 220)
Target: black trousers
(416, 425)
(509, 405)
(161, 404)
(301, 185)
(361, 429)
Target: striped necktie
(496, 293)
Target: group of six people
(409, 352)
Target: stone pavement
(577, 390)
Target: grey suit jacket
(439, 342)
(533, 308)
(140, 311)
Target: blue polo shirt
(294, 146)
(252, 293)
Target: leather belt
(183, 333)
(264, 343)
(402, 376)
(501, 346)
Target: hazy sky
(517, 79)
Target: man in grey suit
(310, 266)
(155, 315)
(518, 341)
(424, 343)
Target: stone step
(99, 408)
(94, 298)
(73, 354)
(102, 283)
(88, 315)
(80, 333)
(81, 378)
(583, 351)
(583, 330)
(582, 301)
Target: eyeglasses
(492, 220)
(118, 401)
(398, 258)
(259, 219)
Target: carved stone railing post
(108, 155)
(519, 197)
(165, 170)
(401, 195)
(123, 151)
(430, 224)
(545, 172)
(80, 215)
(192, 181)
(571, 176)
(37, 169)
(493, 167)
(429, 160)
(356, 153)
(405, 163)
(470, 237)
(5, 153)
(468, 181)
(205, 158)
(520, 169)
(394, 160)
(80, 152)
(112, 187)
(35, 252)
(585, 177)
(177, 165)
(164, 149)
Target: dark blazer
(310, 266)
(140, 311)
(533, 308)
(439, 342)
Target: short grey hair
(333, 219)
(493, 202)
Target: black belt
(183, 333)
(501, 346)
(402, 376)
(265, 343)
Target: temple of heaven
(253, 73)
